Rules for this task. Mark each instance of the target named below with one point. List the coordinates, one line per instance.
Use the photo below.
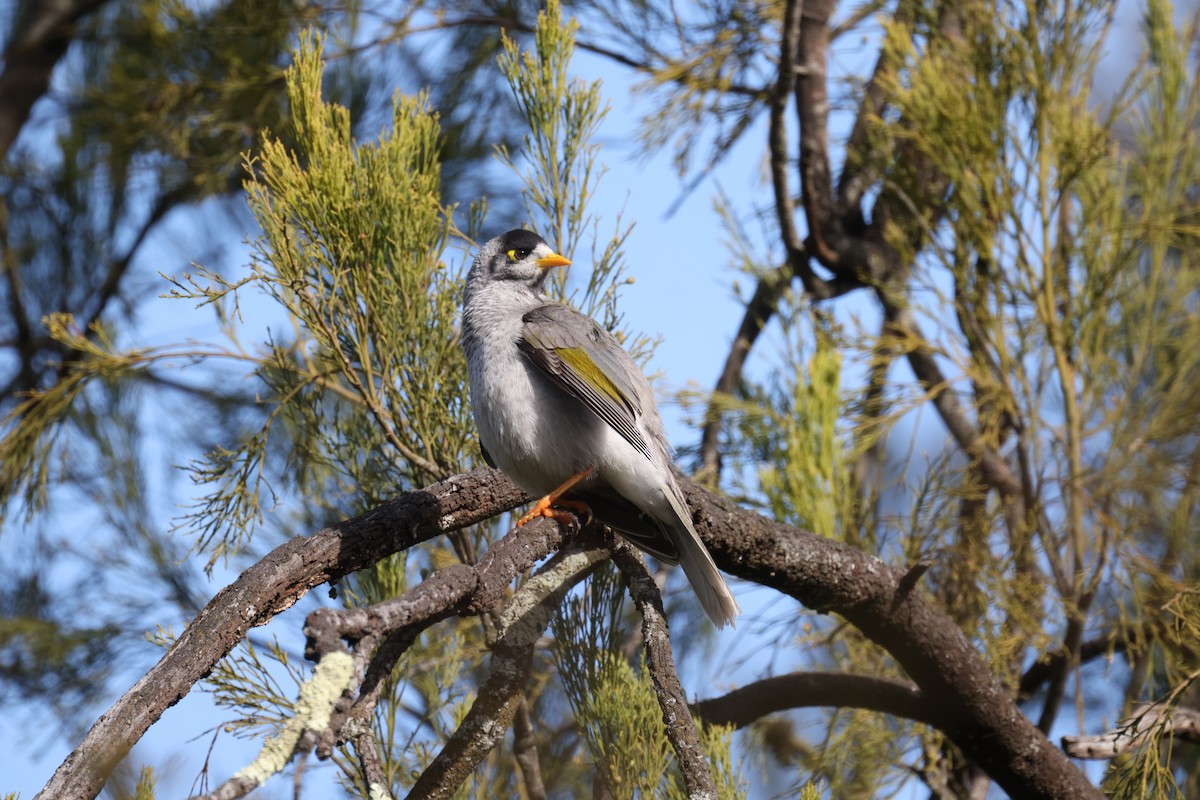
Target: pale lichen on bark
(313, 709)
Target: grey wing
(589, 364)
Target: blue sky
(682, 293)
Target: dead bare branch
(1146, 722)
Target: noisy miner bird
(563, 411)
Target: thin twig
(676, 71)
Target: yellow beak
(553, 260)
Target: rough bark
(272, 585)
(978, 714)
(981, 716)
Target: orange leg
(544, 507)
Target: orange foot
(545, 506)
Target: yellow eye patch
(517, 253)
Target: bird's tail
(703, 575)
(665, 531)
(697, 563)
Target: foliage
(145, 785)
(1041, 241)
(614, 701)
(347, 232)
(559, 164)
(1054, 282)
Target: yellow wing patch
(578, 359)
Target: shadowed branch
(981, 716)
(677, 717)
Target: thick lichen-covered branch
(332, 676)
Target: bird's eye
(517, 253)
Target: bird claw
(580, 512)
(552, 504)
(567, 513)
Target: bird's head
(518, 258)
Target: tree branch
(41, 34)
(1137, 729)
(1061, 669)
(981, 717)
(785, 208)
(457, 589)
(812, 108)
(272, 585)
(526, 753)
(771, 286)
(758, 312)
(853, 181)
(1044, 668)
(677, 717)
(366, 747)
(522, 622)
(815, 174)
(748, 704)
